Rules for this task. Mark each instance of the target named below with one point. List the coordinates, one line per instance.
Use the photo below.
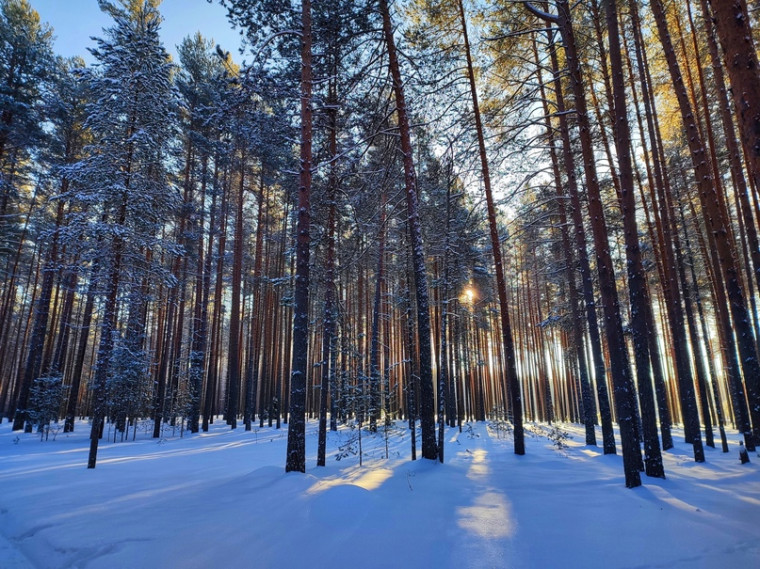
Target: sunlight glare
(468, 295)
(489, 517)
(478, 468)
(589, 452)
(369, 481)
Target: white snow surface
(222, 499)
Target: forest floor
(222, 499)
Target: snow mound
(340, 505)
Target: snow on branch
(546, 16)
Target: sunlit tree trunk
(718, 224)
(257, 312)
(212, 381)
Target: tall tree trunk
(234, 351)
(197, 363)
(374, 350)
(209, 406)
(427, 394)
(412, 370)
(296, 452)
(254, 347)
(589, 409)
(621, 371)
(443, 365)
(637, 286)
(600, 368)
(327, 385)
(512, 381)
(107, 330)
(733, 24)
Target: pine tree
(121, 185)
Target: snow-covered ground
(222, 499)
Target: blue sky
(75, 21)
